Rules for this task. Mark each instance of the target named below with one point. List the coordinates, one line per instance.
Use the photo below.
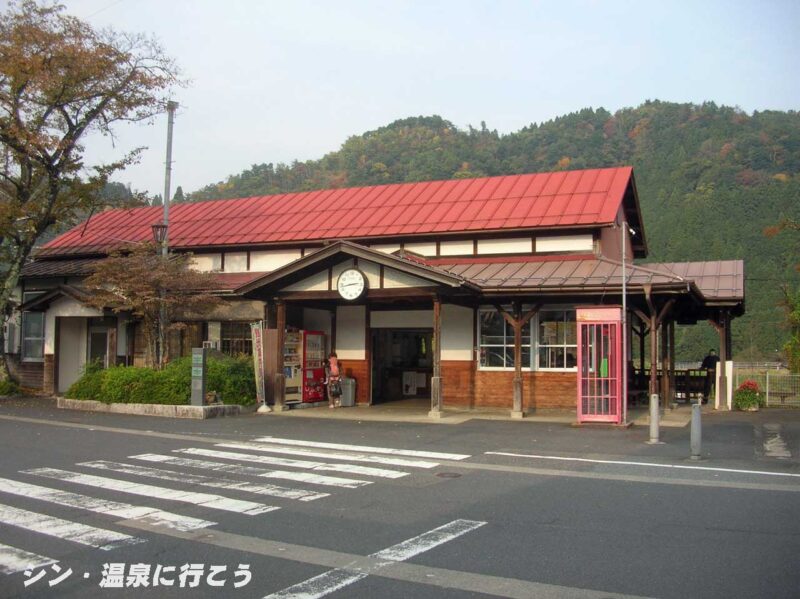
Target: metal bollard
(654, 417)
(696, 439)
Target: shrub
(8, 387)
(123, 384)
(88, 386)
(232, 378)
(748, 396)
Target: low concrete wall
(150, 409)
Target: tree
(791, 301)
(178, 197)
(59, 80)
(158, 291)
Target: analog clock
(351, 284)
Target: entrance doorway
(98, 345)
(402, 364)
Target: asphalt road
(355, 509)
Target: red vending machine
(600, 365)
(313, 366)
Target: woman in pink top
(332, 376)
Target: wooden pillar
(665, 388)
(653, 387)
(516, 409)
(671, 333)
(655, 318)
(279, 390)
(517, 321)
(436, 347)
(333, 329)
(642, 332)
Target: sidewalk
(416, 411)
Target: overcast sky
(274, 81)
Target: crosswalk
(252, 479)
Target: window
(33, 336)
(557, 340)
(497, 341)
(235, 338)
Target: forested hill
(710, 179)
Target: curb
(146, 409)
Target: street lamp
(626, 228)
(160, 233)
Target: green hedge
(8, 388)
(231, 378)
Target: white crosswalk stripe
(433, 455)
(303, 477)
(204, 499)
(206, 481)
(331, 454)
(117, 509)
(289, 463)
(13, 560)
(75, 532)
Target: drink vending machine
(304, 366)
(313, 366)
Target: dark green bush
(232, 378)
(8, 388)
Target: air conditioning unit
(211, 344)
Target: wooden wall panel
(359, 370)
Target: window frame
(565, 345)
(247, 339)
(533, 344)
(23, 338)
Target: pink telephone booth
(600, 365)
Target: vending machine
(313, 365)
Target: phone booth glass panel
(599, 364)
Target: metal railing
(780, 387)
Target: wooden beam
(279, 391)
(517, 322)
(436, 347)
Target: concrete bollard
(696, 439)
(654, 419)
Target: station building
(490, 292)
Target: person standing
(710, 366)
(333, 380)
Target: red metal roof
(559, 199)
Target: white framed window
(496, 341)
(557, 340)
(33, 336)
(553, 348)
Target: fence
(780, 387)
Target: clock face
(351, 284)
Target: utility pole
(171, 108)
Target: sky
(277, 81)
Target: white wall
(395, 279)
(565, 243)
(122, 335)
(63, 306)
(457, 326)
(72, 351)
(387, 248)
(269, 260)
(316, 282)
(461, 247)
(351, 323)
(517, 245)
(206, 262)
(425, 249)
(399, 319)
(235, 261)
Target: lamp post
(625, 229)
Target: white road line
(74, 532)
(303, 477)
(774, 445)
(331, 455)
(337, 579)
(303, 464)
(13, 560)
(433, 455)
(117, 509)
(644, 464)
(207, 481)
(209, 500)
